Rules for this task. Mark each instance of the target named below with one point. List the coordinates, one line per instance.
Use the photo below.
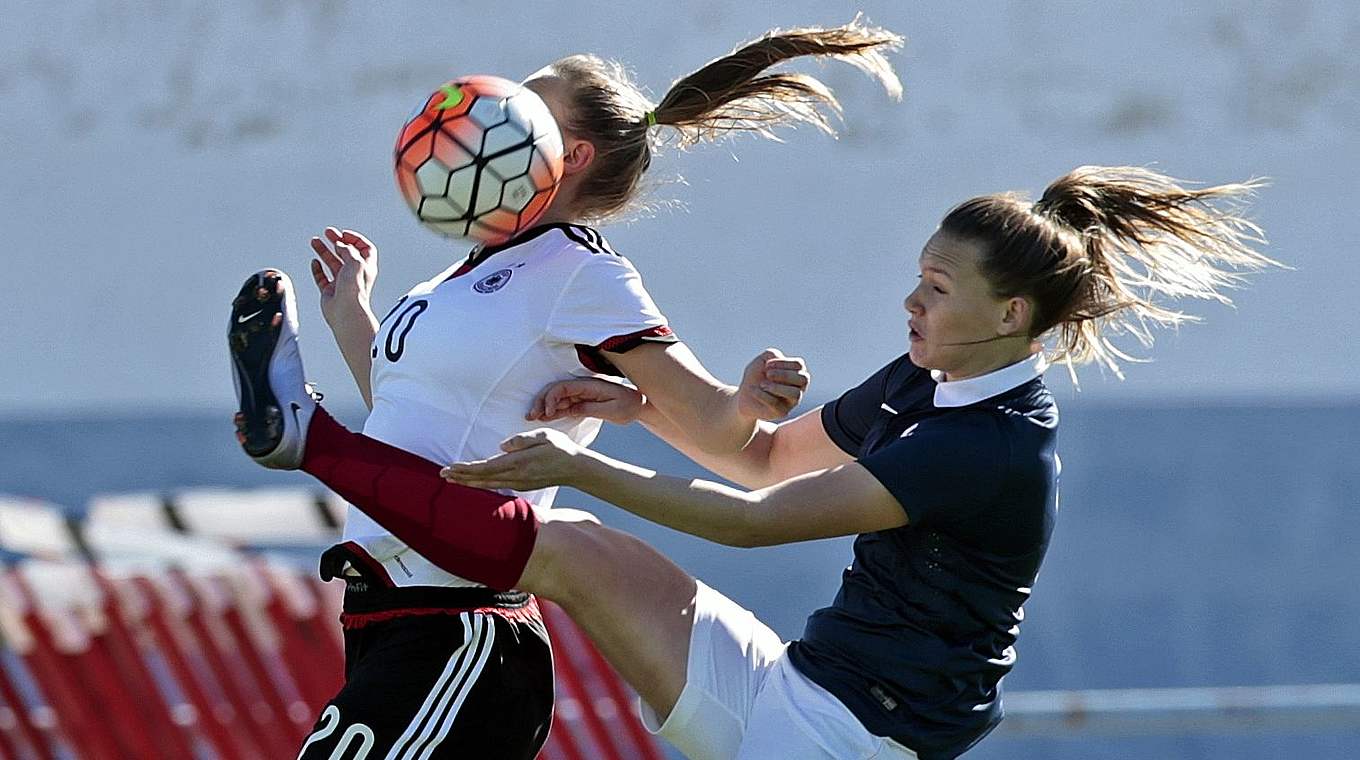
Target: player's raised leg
(696, 658)
(475, 679)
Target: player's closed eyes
(935, 288)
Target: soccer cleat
(276, 403)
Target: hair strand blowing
(733, 93)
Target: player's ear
(578, 155)
(1017, 316)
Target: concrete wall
(154, 152)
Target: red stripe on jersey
(620, 344)
(595, 363)
(593, 358)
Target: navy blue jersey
(922, 630)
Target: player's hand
(532, 460)
(587, 397)
(345, 270)
(772, 385)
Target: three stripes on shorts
(437, 713)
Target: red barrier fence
(123, 639)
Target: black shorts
(430, 675)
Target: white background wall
(152, 153)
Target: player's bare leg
(633, 602)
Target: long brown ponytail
(1103, 245)
(731, 94)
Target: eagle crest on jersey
(454, 371)
(493, 282)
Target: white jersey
(458, 361)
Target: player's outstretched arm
(844, 500)
(345, 269)
(776, 451)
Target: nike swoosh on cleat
(248, 317)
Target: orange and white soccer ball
(481, 159)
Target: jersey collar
(483, 252)
(974, 389)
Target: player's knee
(575, 556)
(561, 555)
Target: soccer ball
(480, 159)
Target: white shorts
(744, 700)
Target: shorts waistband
(361, 600)
(368, 592)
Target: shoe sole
(256, 321)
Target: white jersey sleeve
(606, 307)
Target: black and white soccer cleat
(276, 403)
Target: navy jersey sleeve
(944, 470)
(847, 419)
